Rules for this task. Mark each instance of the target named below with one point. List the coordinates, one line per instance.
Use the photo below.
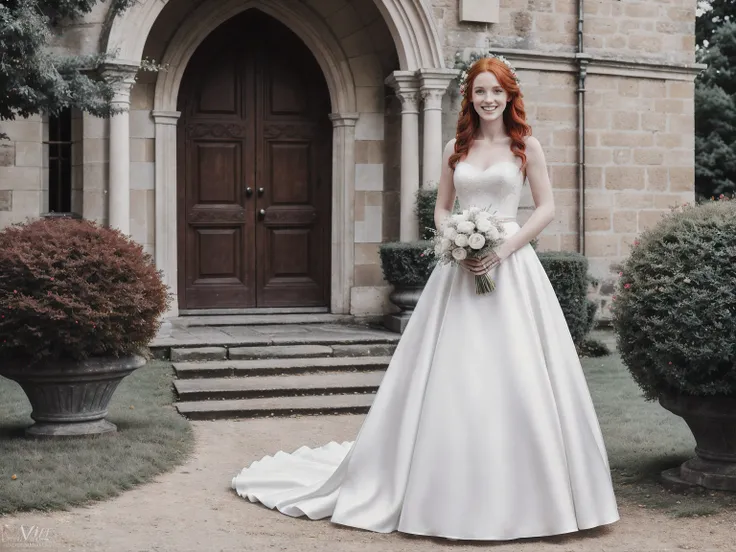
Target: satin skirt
(482, 429)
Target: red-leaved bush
(71, 289)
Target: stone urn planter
(675, 315)
(71, 398)
(405, 298)
(712, 421)
(406, 266)
(79, 304)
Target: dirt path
(193, 509)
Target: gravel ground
(193, 509)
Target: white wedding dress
(483, 426)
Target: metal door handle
(262, 212)
(261, 190)
(249, 191)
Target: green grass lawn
(55, 474)
(642, 439)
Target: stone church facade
(284, 140)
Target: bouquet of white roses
(470, 234)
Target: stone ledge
(596, 65)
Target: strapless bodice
(497, 188)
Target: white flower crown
(465, 67)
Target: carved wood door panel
(254, 171)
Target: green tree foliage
(715, 101)
(33, 78)
(710, 15)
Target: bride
(483, 426)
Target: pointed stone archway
(205, 19)
(411, 24)
(418, 47)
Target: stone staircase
(257, 369)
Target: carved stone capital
(409, 101)
(432, 98)
(122, 76)
(406, 86)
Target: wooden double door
(254, 170)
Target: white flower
(466, 227)
(484, 225)
(461, 240)
(438, 250)
(459, 254)
(457, 218)
(485, 215)
(476, 241)
(492, 233)
(445, 245)
(474, 211)
(450, 233)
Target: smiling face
(489, 97)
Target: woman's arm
(446, 189)
(541, 188)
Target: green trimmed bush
(568, 273)
(675, 308)
(404, 264)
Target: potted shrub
(406, 267)
(78, 305)
(675, 319)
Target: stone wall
(639, 118)
(639, 122)
(23, 170)
(640, 163)
(629, 29)
(142, 165)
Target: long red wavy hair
(514, 116)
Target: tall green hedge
(425, 212)
(568, 274)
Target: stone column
(343, 210)
(119, 144)
(407, 90)
(166, 200)
(433, 85)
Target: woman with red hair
(483, 427)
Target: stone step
(277, 406)
(311, 351)
(232, 337)
(253, 310)
(198, 353)
(367, 349)
(257, 319)
(276, 351)
(275, 366)
(277, 386)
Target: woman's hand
(483, 265)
